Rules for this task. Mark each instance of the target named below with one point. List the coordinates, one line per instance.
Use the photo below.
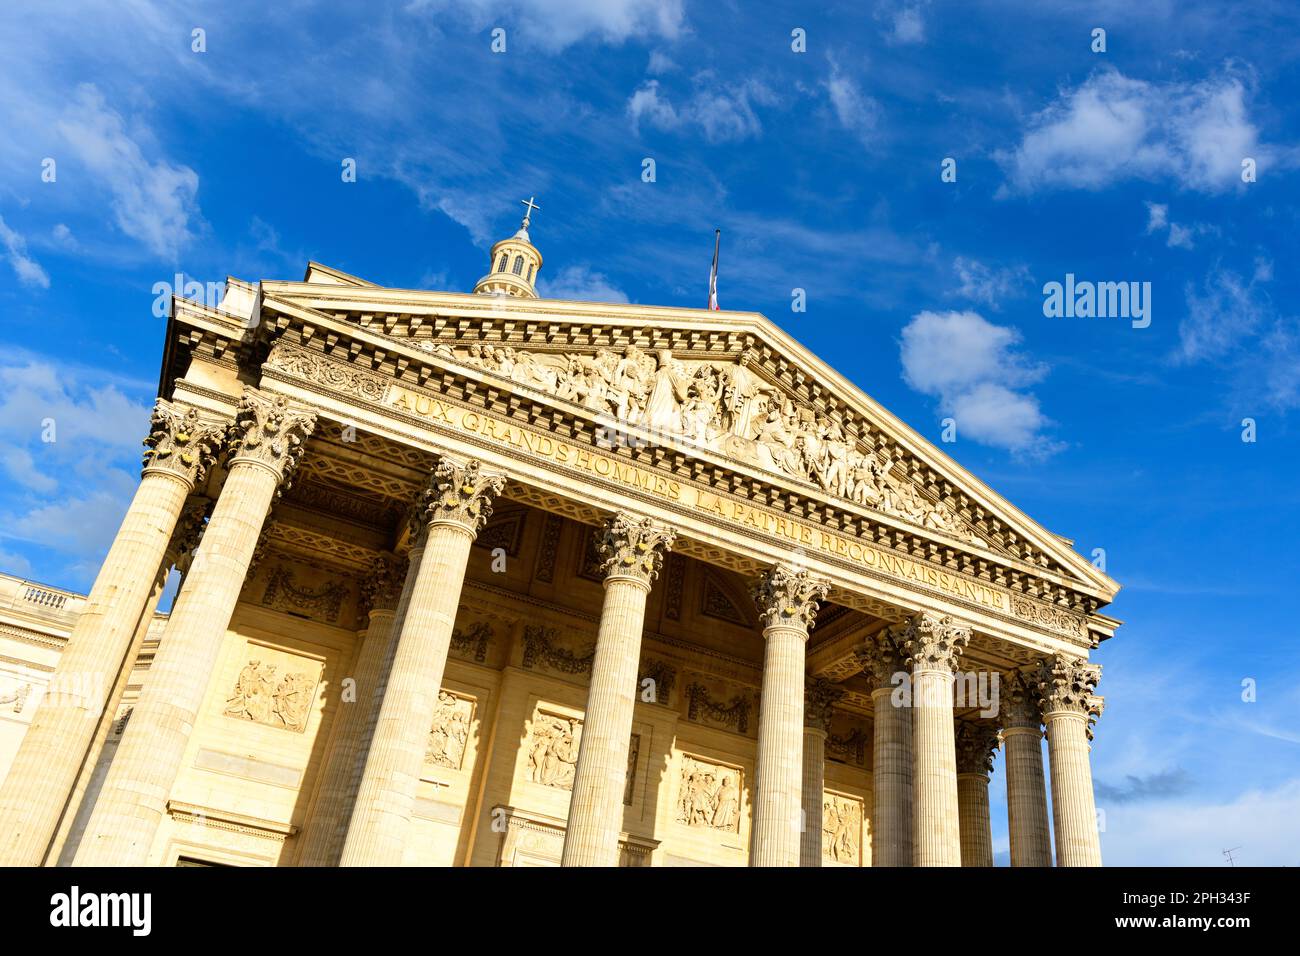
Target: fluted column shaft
(1067, 689)
(814, 789)
(778, 772)
(319, 846)
(934, 645)
(631, 550)
(1074, 809)
(891, 824)
(458, 503)
(934, 782)
(787, 600)
(44, 771)
(975, 826)
(133, 800)
(1027, 827)
(267, 436)
(596, 806)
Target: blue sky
(822, 168)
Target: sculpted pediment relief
(722, 406)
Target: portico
(496, 580)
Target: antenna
(1228, 854)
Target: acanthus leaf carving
(270, 430)
(934, 642)
(182, 443)
(788, 597)
(820, 697)
(634, 547)
(975, 742)
(1069, 685)
(461, 493)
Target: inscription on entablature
(709, 795)
(274, 689)
(786, 528)
(449, 735)
(842, 829)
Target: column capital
(1018, 704)
(382, 587)
(1068, 685)
(976, 742)
(880, 658)
(935, 643)
(460, 494)
(788, 597)
(270, 431)
(180, 443)
(633, 548)
(819, 699)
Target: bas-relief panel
(709, 795)
(274, 688)
(449, 735)
(842, 829)
(553, 742)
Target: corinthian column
(632, 550)
(787, 602)
(934, 645)
(380, 593)
(266, 442)
(819, 700)
(976, 741)
(180, 449)
(891, 765)
(1068, 686)
(1022, 747)
(457, 503)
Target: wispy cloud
(27, 269)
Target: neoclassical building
(494, 580)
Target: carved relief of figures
(553, 750)
(709, 796)
(262, 697)
(726, 408)
(841, 828)
(450, 732)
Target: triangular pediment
(730, 384)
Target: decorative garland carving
(734, 713)
(472, 638)
(320, 370)
(540, 648)
(283, 594)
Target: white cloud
(1265, 823)
(856, 111)
(581, 283)
(981, 283)
(1180, 237)
(557, 24)
(1112, 128)
(971, 366)
(153, 202)
(905, 20)
(27, 269)
(723, 112)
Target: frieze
(306, 364)
(472, 640)
(842, 829)
(266, 696)
(552, 747)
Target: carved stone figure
(450, 732)
(708, 796)
(262, 697)
(724, 407)
(553, 750)
(841, 828)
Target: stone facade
(491, 580)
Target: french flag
(713, 272)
